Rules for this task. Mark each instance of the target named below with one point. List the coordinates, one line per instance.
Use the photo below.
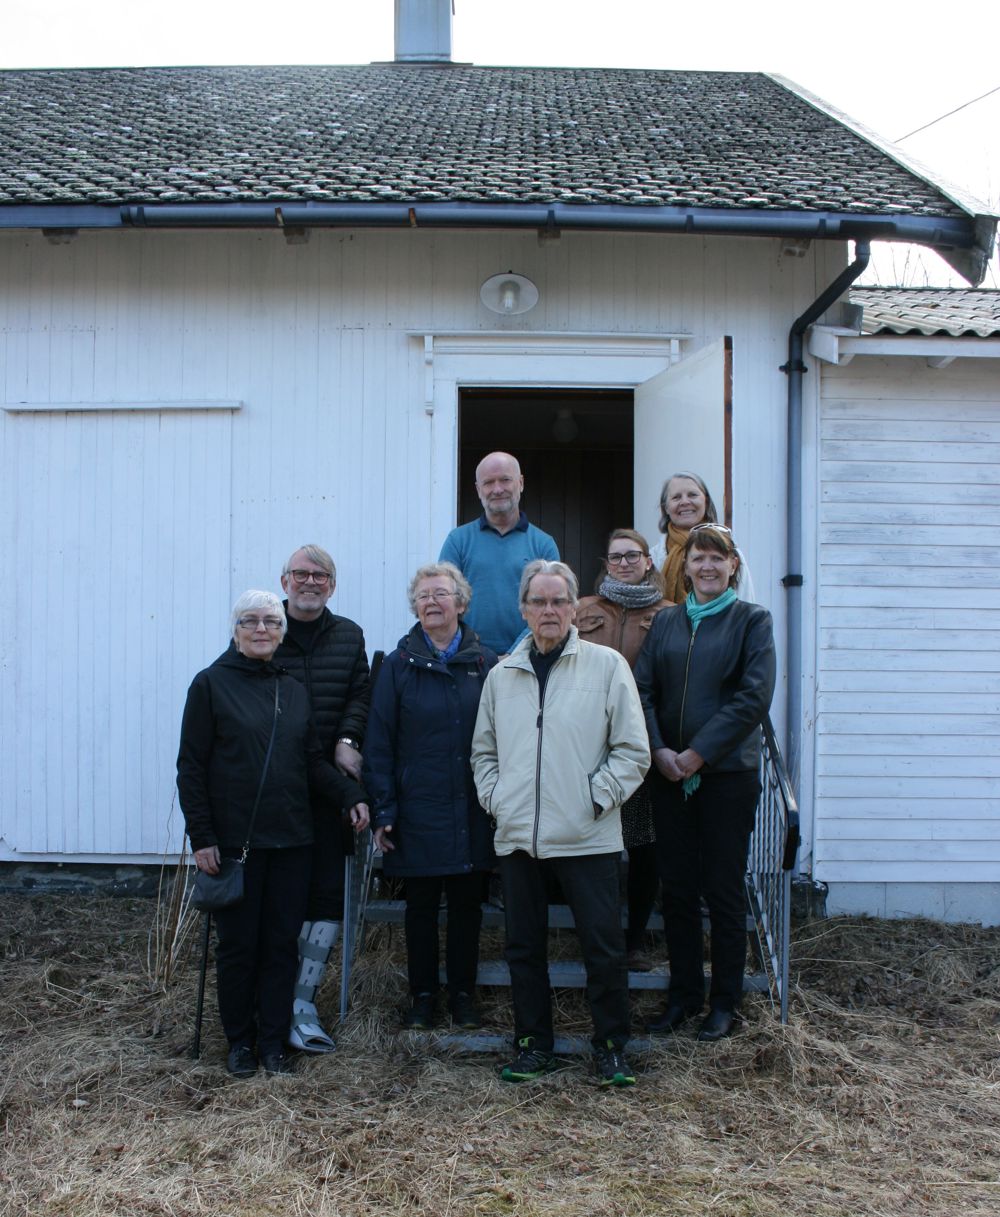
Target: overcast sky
(891, 67)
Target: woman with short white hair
(247, 760)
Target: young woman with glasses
(629, 596)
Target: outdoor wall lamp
(509, 294)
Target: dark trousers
(701, 845)
(465, 914)
(326, 882)
(257, 952)
(590, 885)
(643, 880)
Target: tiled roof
(450, 133)
(959, 312)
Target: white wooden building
(243, 309)
(905, 453)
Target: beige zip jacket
(554, 777)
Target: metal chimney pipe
(423, 31)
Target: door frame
(507, 359)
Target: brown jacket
(609, 625)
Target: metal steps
(563, 974)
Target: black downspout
(792, 581)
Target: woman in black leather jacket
(706, 677)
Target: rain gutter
(795, 369)
(964, 238)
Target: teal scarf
(696, 613)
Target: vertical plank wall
(131, 531)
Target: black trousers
(465, 915)
(257, 952)
(643, 880)
(590, 886)
(326, 881)
(701, 845)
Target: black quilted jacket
(335, 674)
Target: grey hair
(258, 600)
(542, 566)
(317, 554)
(711, 514)
(441, 570)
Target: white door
(683, 422)
(124, 519)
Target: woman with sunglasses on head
(628, 598)
(706, 677)
(248, 763)
(685, 501)
(428, 822)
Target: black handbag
(223, 890)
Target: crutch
(355, 901)
(206, 933)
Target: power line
(940, 117)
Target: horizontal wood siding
(908, 634)
(131, 532)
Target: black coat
(224, 736)
(417, 758)
(710, 694)
(335, 674)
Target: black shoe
(278, 1062)
(241, 1061)
(530, 1062)
(717, 1025)
(672, 1017)
(612, 1067)
(465, 1012)
(420, 1016)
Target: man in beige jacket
(560, 744)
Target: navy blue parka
(416, 758)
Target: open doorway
(576, 453)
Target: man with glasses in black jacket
(327, 654)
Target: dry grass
(881, 1097)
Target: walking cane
(199, 1009)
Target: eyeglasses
(714, 527)
(539, 602)
(320, 577)
(631, 556)
(438, 593)
(253, 623)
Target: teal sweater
(493, 564)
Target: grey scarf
(629, 595)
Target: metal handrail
(773, 851)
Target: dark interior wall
(577, 490)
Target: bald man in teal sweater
(492, 552)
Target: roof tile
(449, 132)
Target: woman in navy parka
(428, 821)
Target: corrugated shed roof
(959, 312)
(453, 133)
